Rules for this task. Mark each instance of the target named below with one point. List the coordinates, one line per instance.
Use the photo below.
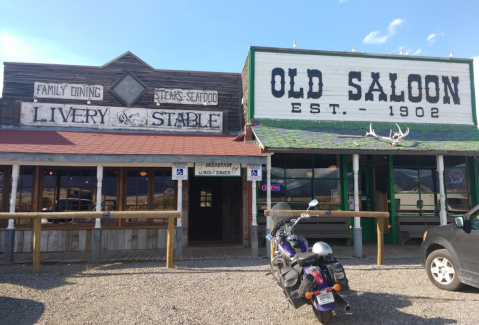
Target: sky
(212, 35)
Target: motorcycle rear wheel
(324, 317)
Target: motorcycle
(313, 278)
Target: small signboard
(67, 91)
(217, 169)
(106, 214)
(255, 173)
(180, 171)
(186, 96)
(274, 187)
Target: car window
(475, 223)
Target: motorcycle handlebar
(286, 220)
(280, 224)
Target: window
(298, 178)
(416, 185)
(128, 89)
(2, 178)
(65, 189)
(149, 189)
(456, 184)
(206, 199)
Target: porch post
(96, 239)
(358, 237)
(10, 231)
(442, 192)
(254, 222)
(178, 243)
(268, 202)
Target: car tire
(441, 270)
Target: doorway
(206, 197)
(365, 191)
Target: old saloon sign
(352, 88)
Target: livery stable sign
(88, 116)
(328, 87)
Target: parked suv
(450, 252)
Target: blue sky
(215, 35)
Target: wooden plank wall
(19, 81)
(244, 84)
(80, 240)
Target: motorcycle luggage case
(290, 281)
(336, 271)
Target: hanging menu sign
(217, 169)
(68, 91)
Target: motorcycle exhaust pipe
(341, 301)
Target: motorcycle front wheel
(324, 317)
(275, 271)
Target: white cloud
(21, 49)
(431, 39)
(375, 37)
(411, 51)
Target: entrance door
(365, 189)
(205, 217)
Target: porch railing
(38, 216)
(379, 216)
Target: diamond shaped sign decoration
(128, 88)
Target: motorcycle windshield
(279, 212)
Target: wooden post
(380, 233)
(170, 242)
(37, 236)
(254, 221)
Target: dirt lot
(235, 291)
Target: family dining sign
(305, 86)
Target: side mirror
(313, 203)
(459, 222)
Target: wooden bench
(314, 228)
(410, 226)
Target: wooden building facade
(401, 129)
(135, 134)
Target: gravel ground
(232, 291)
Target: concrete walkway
(159, 255)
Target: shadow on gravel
(20, 311)
(381, 308)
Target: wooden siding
(80, 240)
(244, 85)
(19, 81)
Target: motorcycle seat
(305, 259)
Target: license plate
(325, 298)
